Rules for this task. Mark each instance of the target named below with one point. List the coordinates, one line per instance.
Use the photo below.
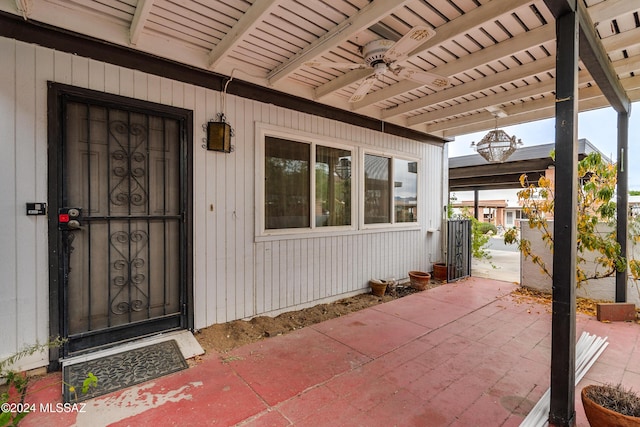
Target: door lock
(69, 219)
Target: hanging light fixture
(497, 145)
(343, 168)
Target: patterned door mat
(122, 370)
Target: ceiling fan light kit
(383, 55)
(373, 52)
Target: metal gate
(458, 249)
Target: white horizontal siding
(234, 276)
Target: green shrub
(485, 227)
(479, 240)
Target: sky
(600, 127)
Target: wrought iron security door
(458, 249)
(121, 224)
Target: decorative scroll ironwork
(128, 276)
(128, 163)
(124, 167)
(459, 249)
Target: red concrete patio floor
(462, 354)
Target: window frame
(358, 151)
(261, 232)
(393, 224)
(409, 160)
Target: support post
(563, 334)
(622, 202)
(475, 204)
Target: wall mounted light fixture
(219, 135)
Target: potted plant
(419, 280)
(440, 271)
(611, 405)
(378, 287)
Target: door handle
(73, 224)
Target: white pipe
(588, 350)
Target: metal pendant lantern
(497, 146)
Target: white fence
(531, 275)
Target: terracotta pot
(378, 287)
(419, 280)
(600, 416)
(440, 271)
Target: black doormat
(122, 370)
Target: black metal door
(458, 249)
(121, 223)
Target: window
(333, 186)
(378, 188)
(308, 184)
(287, 189)
(290, 170)
(405, 194)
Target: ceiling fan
(383, 56)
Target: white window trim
(393, 225)
(262, 131)
(358, 151)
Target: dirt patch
(224, 337)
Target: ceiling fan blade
(363, 89)
(423, 77)
(408, 43)
(347, 65)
